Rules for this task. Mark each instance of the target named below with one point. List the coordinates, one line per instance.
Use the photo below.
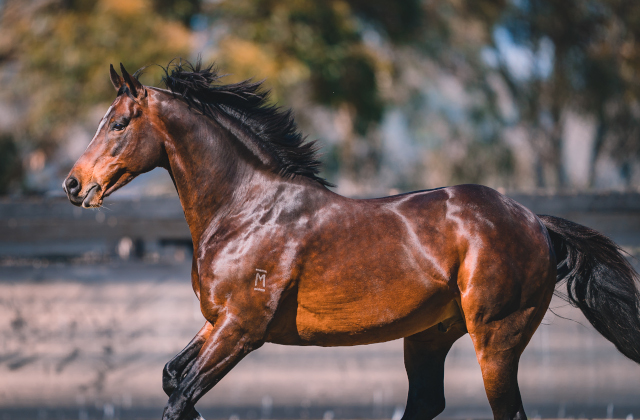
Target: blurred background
(520, 94)
(539, 99)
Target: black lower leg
(173, 370)
(424, 356)
(227, 344)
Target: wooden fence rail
(50, 227)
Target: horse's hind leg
(424, 355)
(500, 326)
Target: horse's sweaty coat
(278, 257)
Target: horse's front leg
(228, 342)
(175, 367)
(181, 362)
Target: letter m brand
(261, 277)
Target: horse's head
(126, 144)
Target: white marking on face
(102, 123)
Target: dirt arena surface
(89, 342)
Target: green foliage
(182, 10)
(317, 42)
(62, 51)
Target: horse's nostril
(73, 186)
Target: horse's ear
(116, 79)
(133, 84)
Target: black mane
(273, 128)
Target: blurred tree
(351, 56)
(591, 66)
(54, 56)
(322, 42)
(465, 74)
(182, 10)
(323, 46)
(10, 168)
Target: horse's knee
(175, 367)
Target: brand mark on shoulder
(261, 280)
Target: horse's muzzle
(73, 188)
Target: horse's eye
(118, 126)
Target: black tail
(600, 281)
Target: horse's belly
(325, 319)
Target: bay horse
(278, 257)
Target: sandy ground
(90, 341)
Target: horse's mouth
(96, 192)
(91, 195)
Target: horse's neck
(216, 177)
(202, 165)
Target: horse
(279, 257)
